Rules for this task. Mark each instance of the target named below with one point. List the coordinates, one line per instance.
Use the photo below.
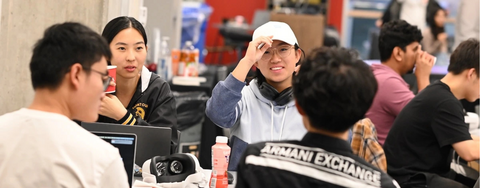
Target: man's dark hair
(334, 88)
(465, 57)
(396, 33)
(62, 46)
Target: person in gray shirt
(467, 22)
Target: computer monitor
(151, 141)
(126, 145)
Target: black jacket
(152, 104)
(315, 161)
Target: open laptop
(151, 141)
(126, 145)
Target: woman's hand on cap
(257, 48)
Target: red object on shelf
(152, 67)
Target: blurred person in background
(434, 37)
(412, 11)
(467, 22)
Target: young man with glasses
(40, 145)
(106, 79)
(264, 110)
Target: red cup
(112, 72)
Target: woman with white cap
(264, 110)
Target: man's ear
(300, 110)
(74, 75)
(471, 74)
(398, 53)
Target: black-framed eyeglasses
(106, 79)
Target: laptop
(126, 145)
(151, 141)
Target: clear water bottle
(220, 157)
(165, 62)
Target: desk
(211, 79)
(474, 164)
(207, 176)
(209, 172)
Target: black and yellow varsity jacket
(152, 104)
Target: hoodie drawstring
(271, 123)
(282, 125)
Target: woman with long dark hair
(434, 38)
(141, 97)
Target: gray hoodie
(251, 117)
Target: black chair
(235, 37)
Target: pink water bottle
(220, 156)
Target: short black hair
(259, 76)
(62, 46)
(465, 56)
(120, 23)
(396, 33)
(334, 88)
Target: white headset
(194, 180)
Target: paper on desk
(188, 81)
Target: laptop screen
(151, 141)
(126, 144)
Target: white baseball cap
(279, 30)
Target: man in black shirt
(422, 137)
(332, 90)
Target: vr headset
(176, 170)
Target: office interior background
(23, 22)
